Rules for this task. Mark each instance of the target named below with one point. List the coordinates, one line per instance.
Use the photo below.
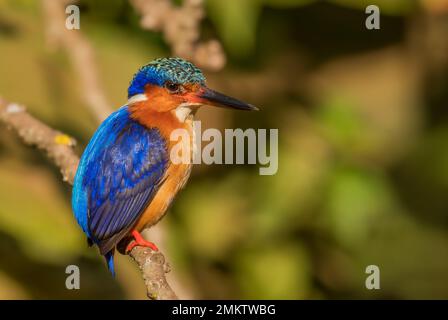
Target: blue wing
(118, 175)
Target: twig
(59, 148)
(181, 28)
(153, 267)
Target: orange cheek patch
(160, 100)
(165, 122)
(155, 112)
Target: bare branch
(181, 28)
(59, 148)
(153, 267)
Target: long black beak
(217, 99)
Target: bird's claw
(140, 241)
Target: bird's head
(177, 86)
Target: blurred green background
(363, 154)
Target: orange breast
(176, 175)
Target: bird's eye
(172, 87)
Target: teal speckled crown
(161, 70)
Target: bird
(125, 180)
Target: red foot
(139, 241)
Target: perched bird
(125, 180)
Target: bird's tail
(110, 261)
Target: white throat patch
(184, 110)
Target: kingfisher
(125, 179)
